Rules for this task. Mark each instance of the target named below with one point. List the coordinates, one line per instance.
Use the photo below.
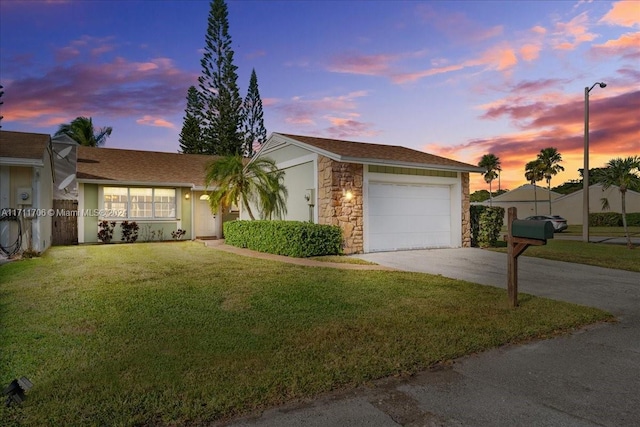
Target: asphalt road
(588, 378)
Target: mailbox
(532, 229)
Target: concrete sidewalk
(588, 378)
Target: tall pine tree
(222, 104)
(254, 132)
(191, 135)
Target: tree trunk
(549, 190)
(490, 195)
(624, 218)
(535, 197)
(245, 202)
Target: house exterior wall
(298, 179)
(286, 153)
(334, 207)
(90, 199)
(87, 225)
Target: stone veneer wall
(466, 211)
(334, 208)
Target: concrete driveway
(588, 378)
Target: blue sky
(454, 78)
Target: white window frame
(114, 214)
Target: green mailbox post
(521, 235)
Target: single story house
(162, 192)
(569, 206)
(384, 197)
(26, 188)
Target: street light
(585, 171)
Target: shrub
(475, 212)
(129, 231)
(177, 235)
(606, 219)
(633, 219)
(106, 231)
(290, 238)
(490, 223)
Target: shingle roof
(350, 151)
(134, 166)
(23, 145)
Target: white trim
(297, 161)
(14, 161)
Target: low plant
(106, 231)
(178, 234)
(129, 231)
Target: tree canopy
(255, 133)
(82, 131)
(259, 182)
(491, 164)
(191, 134)
(221, 116)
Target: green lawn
(576, 230)
(598, 254)
(179, 334)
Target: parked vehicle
(559, 223)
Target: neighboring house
(524, 199)
(568, 206)
(26, 187)
(162, 192)
(383, 197)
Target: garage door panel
(408, 216)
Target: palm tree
(533, 173)
(491, 164)
(624, 174)
(259, 181)
(81, 130)
(550, 160)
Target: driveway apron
(590, 377)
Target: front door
(206, 223)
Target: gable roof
(362, 152)
(135, 167)
(23, 145)
(526, 193)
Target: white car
(559, 223)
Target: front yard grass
(179, 334)
(599, 254)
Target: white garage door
(408, 216)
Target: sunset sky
(454, 78)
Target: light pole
(585, 171)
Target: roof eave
(18, 161)
(137, 183)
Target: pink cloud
(155, 121)
(530, 51)
(627, 46)
(118, 88)
(569, 35)
(354, 63)
(623, 13)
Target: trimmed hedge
(290, 238)
(486, 223)
(613, 219)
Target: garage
(408, 216)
